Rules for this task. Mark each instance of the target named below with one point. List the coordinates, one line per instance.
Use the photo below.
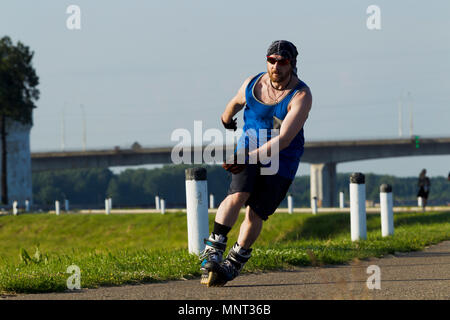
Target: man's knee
(252, 216)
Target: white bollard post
(57, 208)
(110, 203)
(211, 201)
(387, 212)
(358, 228)
(27, 205)
(197, 208)
(420, 202)
(157, 202)
(107, 208)
(341, 200)
(290, 204)
(163, 206)
(314, 205)
(66, 205)
(15, 210)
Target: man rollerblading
(277, 104)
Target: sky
(138, 70)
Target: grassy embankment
(135, 248)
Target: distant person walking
(424, 188)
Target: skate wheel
(214, 280)
(204, 278)
(211, 279)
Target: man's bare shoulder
(240, 96)
(302, 97)
(246, 82)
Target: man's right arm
(233, 107)
(236, 103)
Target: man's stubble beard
(280, 77)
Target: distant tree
(18, 93)
(138, 187)
(80, 186)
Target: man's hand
(233, 165)
(232, 125)
(239, 161)
(234, 168)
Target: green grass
(36, 249)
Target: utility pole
(63, 136)
(410, 114)
(400, 122)
(83, 114)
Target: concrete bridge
(323, 157)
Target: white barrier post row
(387, 212)
(197, 208)
(66, 205)
(107, 208)
(27, 205)
(211, 201)
(15, 210)
(290, 204)
(57, 208)
(341, 200)
(157, 202)
(163, 206)
(358, 228)
(314, 205)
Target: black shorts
(266, 191)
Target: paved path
(415, 275)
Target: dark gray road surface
(416, 275)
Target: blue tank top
(258, 115)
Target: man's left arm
(292, 124)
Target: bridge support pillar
(323, 183)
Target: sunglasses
(282, 61)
